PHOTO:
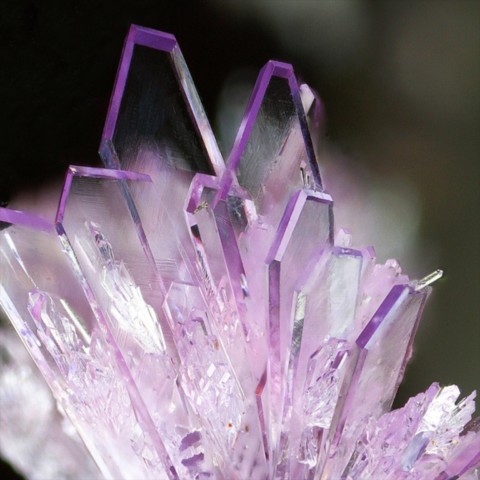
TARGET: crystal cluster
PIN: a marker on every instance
(201, 320)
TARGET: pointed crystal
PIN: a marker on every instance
(195, 321)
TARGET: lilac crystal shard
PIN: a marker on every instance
(65, 334)
(198, 321)
(155, 113)
(35, 437)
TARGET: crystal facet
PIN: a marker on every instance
(196, 320)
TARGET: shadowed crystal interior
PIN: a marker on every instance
(201, 320)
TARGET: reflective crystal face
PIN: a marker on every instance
(196, 319)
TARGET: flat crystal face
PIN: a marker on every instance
(153, 116)
(263, 156)
(196, 320)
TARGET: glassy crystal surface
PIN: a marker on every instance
(201, 319)
(35, 437)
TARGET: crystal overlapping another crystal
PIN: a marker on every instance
(199, 319)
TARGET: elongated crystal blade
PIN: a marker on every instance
(75, 354)
(130, 292)
(325, 326)
(155, 110)
(384, 347)
(304, 231)
(273, 143)
(156, 125)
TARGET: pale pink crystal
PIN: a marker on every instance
(195, 320)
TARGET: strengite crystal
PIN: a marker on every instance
(201, 319)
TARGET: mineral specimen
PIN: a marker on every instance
(201, 320)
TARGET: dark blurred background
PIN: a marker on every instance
(400, 81)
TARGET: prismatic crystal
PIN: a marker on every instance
(196, 319)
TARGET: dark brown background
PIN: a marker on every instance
(401, 85)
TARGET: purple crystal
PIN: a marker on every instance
(195, 320)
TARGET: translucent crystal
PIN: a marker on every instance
(196, 319)
(35, 436)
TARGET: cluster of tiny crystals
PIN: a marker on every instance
(199, 319)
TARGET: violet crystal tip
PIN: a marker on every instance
(201, 321)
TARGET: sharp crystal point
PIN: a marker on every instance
(429, 279)
(201, 320)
